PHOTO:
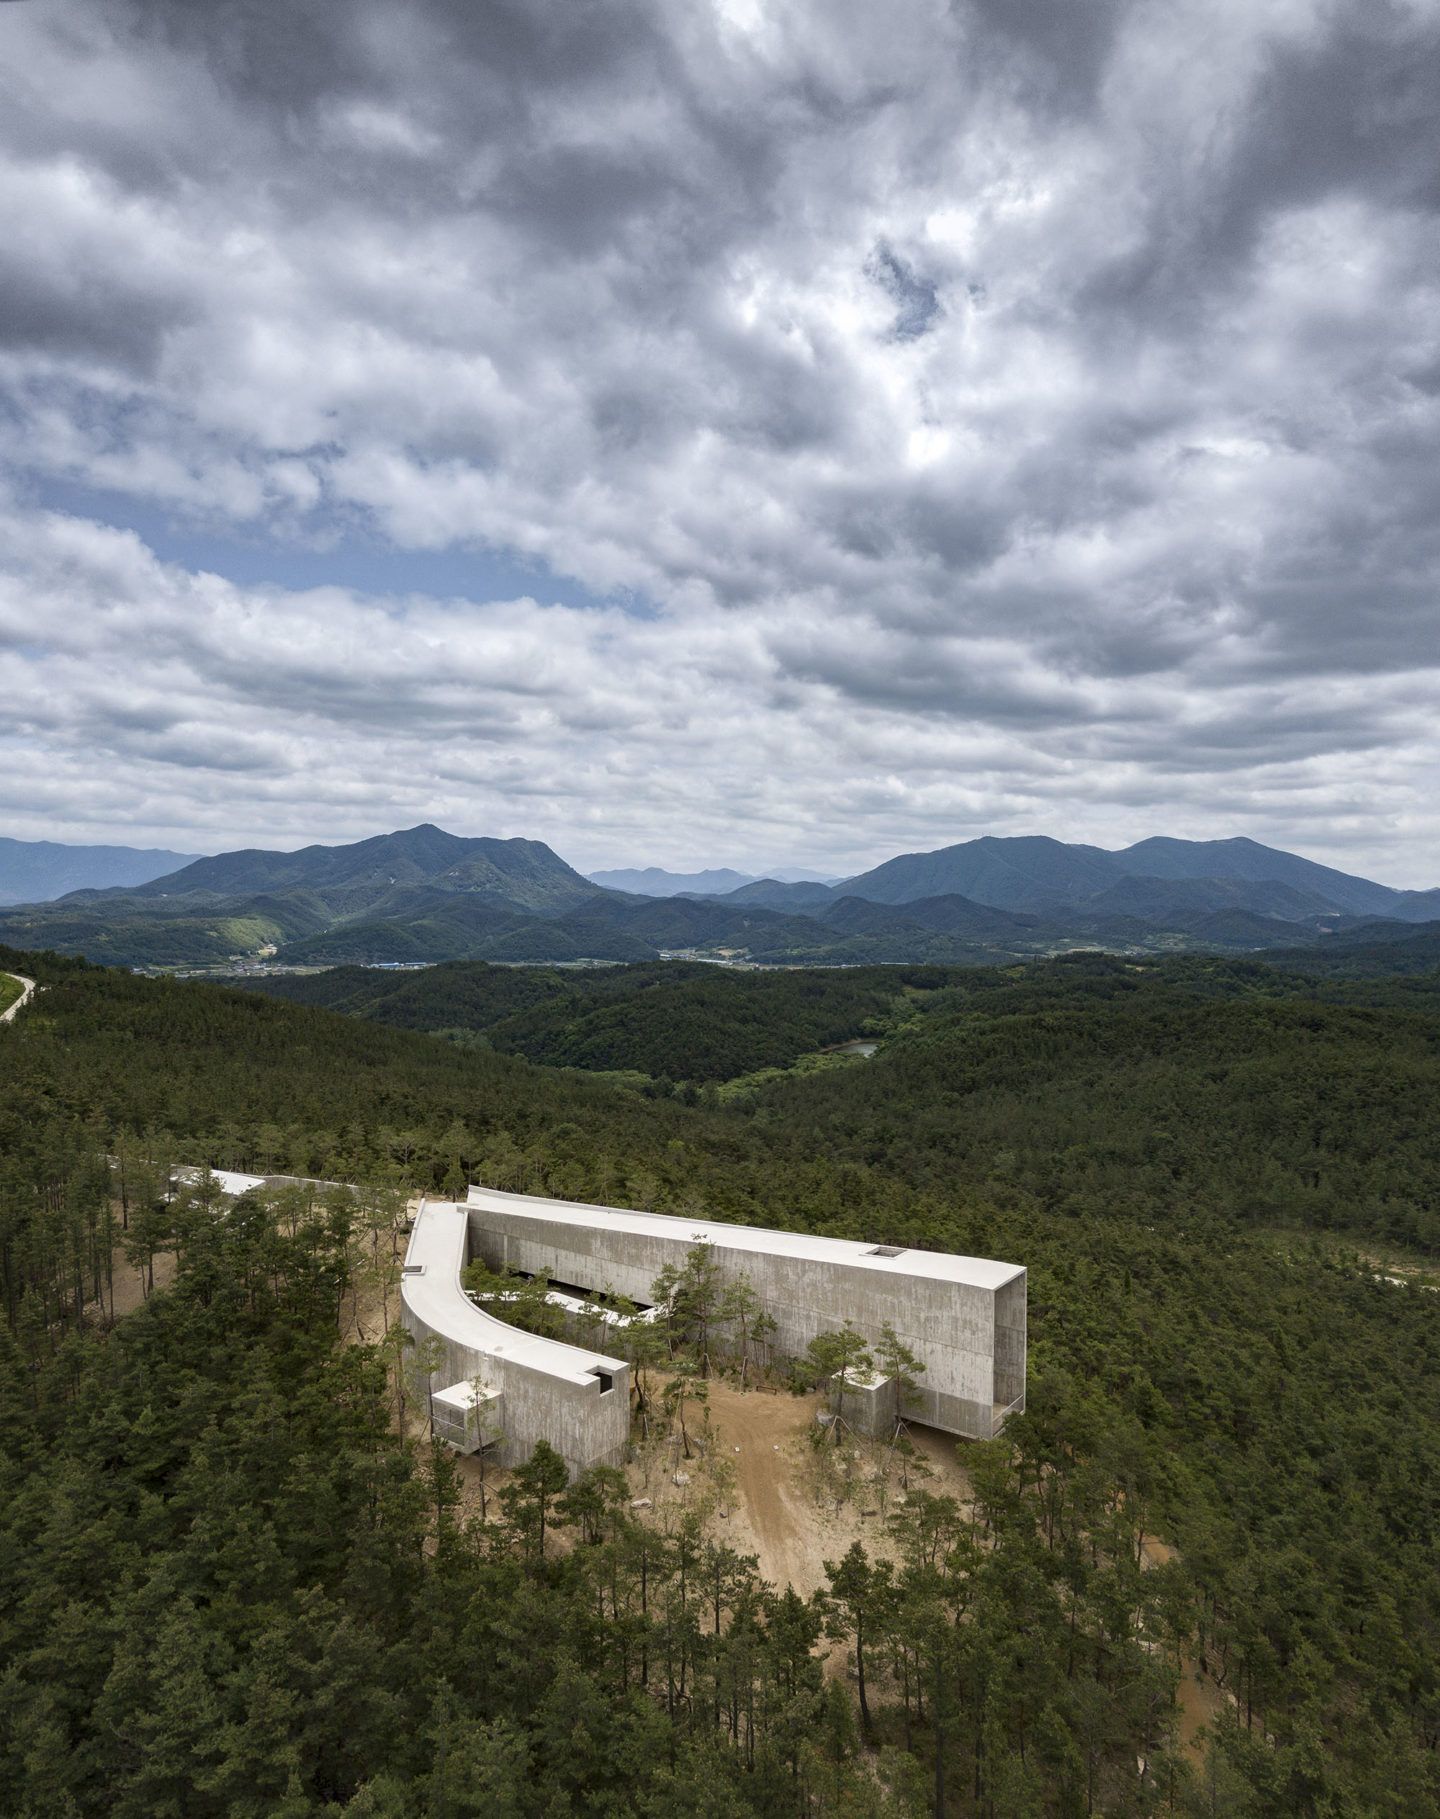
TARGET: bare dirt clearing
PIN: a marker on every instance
(126, 1290)
(761, 1473)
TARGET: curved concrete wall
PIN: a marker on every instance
(548, 1391)
(963, 1317)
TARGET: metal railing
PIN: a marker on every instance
(998, 1418)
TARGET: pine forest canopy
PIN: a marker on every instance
(215, 1593)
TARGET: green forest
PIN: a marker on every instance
(229, 1588)
(678, 1021)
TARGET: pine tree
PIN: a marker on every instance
(529, 1498)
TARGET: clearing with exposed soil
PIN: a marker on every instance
(770, 1508)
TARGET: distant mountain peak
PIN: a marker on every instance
(409, 873)
(39, 871)
(1026, 872)
(1035, 872)
(1240, 857)
(655, 881)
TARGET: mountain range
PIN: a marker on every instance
(423, 895)
(1037, 875)
(38, 871)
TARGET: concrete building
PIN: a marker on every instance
(962, 1317)
(467, 1415)
(495, 1380)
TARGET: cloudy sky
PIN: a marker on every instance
(768, 433)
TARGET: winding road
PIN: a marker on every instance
(27, 989)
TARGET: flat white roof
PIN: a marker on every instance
(430, 1288)
(465, 1396)
(934, 1266)
(226, 1179)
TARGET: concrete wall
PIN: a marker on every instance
(1010, 1305)
(951, 1327)
(586, 1424)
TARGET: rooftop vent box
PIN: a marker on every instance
(413, 1269)
(887, 1250)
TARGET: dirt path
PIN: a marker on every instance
(762, 1435)
(27, 988)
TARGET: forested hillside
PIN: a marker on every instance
(1190, 1091)
(669, 1021)
(1200, 1086)
(226, 1589)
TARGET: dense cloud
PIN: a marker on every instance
(922, 420)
